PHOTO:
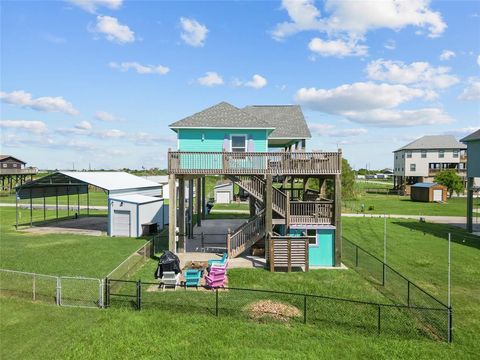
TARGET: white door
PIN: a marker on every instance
(437, 195)
(223, 197)
(121, 223)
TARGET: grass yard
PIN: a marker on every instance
(402, 205)
(60, 254)
(419, 251)
(96, 198)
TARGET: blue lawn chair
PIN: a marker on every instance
(220, 262)
(192, 277)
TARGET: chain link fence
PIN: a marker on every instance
(401, 290)
(58, 290)
(266, 306)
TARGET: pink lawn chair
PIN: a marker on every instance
(216, 278)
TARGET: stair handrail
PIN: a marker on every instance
(237, 238)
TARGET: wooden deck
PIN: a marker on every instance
(254, 163)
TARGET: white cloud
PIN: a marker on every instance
(211, 78)
(419, 73)
(193, 33)
(83, 125)
(33, 126)
(257, 82)
(46, 103)
(353, 19)
(400, 118)
(106, 116)
(113, 30)
(339, 48)
(357, 97)
(330, 130)
(92, 5)
(304, 16)
(370, 103)
(447, 55)
(390, 45)
(111, 133)
(139, 68)
(472, 91)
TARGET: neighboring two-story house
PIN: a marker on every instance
(473, 173)
(262, 150)
(422, 159)
(13, 171)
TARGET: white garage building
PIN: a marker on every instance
(135, 205)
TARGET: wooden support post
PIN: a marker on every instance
(268, 208)
(204, 210)
(306, 255)
(337, 213)
(292, 184)
(229, 250)
(269, 240)
(289, 255)
(470, 204)
(199, 201)
(172, 213)
(190, 209)
(181, 214)
(251, 203)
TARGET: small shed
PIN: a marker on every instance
(135, 215)
(428, 192)
(223, 193)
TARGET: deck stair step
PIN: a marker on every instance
(246, 235)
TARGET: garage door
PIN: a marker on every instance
(121, 223)
(437, 195)
(223, 197)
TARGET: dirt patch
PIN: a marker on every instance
(272, 309)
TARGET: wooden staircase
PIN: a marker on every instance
(246, 235)
(255, 186)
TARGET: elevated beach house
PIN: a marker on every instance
(262, 149)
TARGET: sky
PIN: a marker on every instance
(95, 84)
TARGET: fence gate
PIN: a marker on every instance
(81, 292)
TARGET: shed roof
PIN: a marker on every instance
(425, 185)
(222, 115)
(288, 120)
(473, 136)
(434, 142)
(5, 157)
(110, 180)
(136, 198)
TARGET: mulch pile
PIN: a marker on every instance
(272, 309)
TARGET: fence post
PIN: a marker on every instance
(378, 320)
(101, 293)
(107, 292)
(33, 287)
(216, 302)
(450, 327)
(383, 274)
(304, 309)
(356, 256)
(408, 293)
(59, 291)
(139, 295)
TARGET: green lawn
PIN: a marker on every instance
(96, 198)
(60, 254)
(416, 249)
(402, 205)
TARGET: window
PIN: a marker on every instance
(4, 165)
(413, 167)
(455, 153)
(313, 239)
(441, 153)
(409, 155)
(14, 165)
(239, 143)
(424, 154)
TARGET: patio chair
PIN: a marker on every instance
(221, 261)
(170, 279)
(216, 278)
(192, 277)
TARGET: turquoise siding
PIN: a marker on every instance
(212, 139)
(321, 253)
(473, 160)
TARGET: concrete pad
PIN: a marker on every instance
(212, 235)
(84, 225)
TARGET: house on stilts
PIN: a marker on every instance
(294, 195)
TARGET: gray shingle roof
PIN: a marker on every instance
(434, 142)
(473, 136)
(222, 115)
(287, 120)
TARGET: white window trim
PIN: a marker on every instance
(246, 141)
